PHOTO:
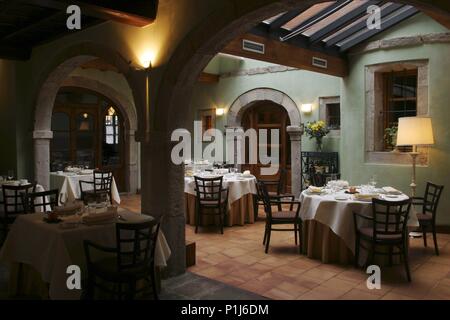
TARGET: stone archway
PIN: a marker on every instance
(190, 57)
(62, 65)
(128, 110)
(246, 100)
(295, 130)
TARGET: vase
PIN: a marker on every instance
(318, 144)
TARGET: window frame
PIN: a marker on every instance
(374, 141)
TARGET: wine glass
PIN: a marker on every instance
(373, 181)
(10, 175)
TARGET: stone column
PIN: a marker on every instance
(132, 161)
(295, 135)
(42, 157)
(163, 195)
(233, 142)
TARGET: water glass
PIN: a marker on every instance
(373, 181)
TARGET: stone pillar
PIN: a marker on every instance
(295, 134)
(163, 195)
(132, 162)
(233, 142)
(42, 157)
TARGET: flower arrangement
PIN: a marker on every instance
(317, 130)
(390, 136)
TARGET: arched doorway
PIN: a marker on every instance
(88, 130)
(56, 76)
(266, 115)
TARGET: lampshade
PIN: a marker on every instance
(416, 131)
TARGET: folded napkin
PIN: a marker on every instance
(102, 215)
(315, 189)
(365, 196)
(390, 190)
(70, 208)
(247, 173)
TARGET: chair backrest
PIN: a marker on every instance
(431, 198)
(136, 243)
(263, 194)
(282, 181)
(102, 180)
(13, 197)
(44, 200)
(209, 189)
(390, 218)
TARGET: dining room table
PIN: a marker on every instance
(23, 182)
(328, 231)
(68, 184)
(241, 190)
(39, 253)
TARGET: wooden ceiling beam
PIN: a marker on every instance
(209, 78)
(14, 53)
(283, 53)
(32, 26)
(139, 13)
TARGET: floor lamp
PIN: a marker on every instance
(414, 131)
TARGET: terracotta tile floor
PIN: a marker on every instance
(237, 258)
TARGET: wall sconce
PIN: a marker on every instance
(147, 59)
(306, 108)
(220, 111)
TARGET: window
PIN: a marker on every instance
(330, 113)
(400, 100)
(393, 90)
(111, 127)
(60, 144)
(333, 112)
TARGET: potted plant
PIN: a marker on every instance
(317, 130)
(390, 137)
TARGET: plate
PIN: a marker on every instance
(392, 196)
(341, 198)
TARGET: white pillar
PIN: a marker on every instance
(295, 135)
(42, 157)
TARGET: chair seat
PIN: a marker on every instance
(284, 215)
(107, 268)
(368, 233)
(424, 217)
(211, 202)
(93, 192)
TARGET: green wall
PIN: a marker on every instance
(353, 164)
(301, 86)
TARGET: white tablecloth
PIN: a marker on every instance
(39, 188)
(49, 249)
(338, 215)
(69, 185)
(237, 187)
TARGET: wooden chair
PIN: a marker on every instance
(211, 200)
(132, 260)
(427, 218)
(280, 186)
(101, 187)
(43, 200)
(280, 217)
(13, 204)
(320, 179)
(389, 229)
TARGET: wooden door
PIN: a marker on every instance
(90, 134)
(269, 116)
